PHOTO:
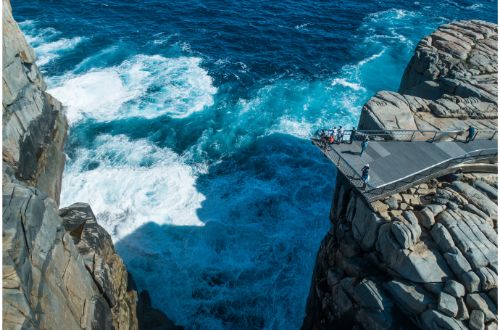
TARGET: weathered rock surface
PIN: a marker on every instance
(34, 127)
(59, 272)
(449, 84)
(427, 256)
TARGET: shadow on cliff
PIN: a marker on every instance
(249, 265)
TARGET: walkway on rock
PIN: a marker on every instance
(401, 159)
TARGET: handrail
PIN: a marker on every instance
(427, 173)
(412, 135)
(372, 193)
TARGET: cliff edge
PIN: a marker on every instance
(60, 269)
(426, 257)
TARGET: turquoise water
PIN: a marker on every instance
(189, 125)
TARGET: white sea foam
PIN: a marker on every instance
(345, 83)
(130, 183)
(143, 86)
(45, 42)
(49, 51)
(301, 26)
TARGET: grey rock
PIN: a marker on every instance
(392, 203)
(365, 225)
(333, 277)
(369, 295)
(476, 320)
(485, 188)
(436, 208)
(470, 281)
(477, 198)
(454, 288)
(492, 326)
(488, 278)
(442, 237)
(463, 313)
(420, 265)
(434, 320)
(410, 298)
(482, 302)
(457, 262)
(447, 304)
(493, 294)
(426, 217)
(434, 288)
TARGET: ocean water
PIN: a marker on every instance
(189, 124)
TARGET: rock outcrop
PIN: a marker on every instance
(426, 257)
(60, 270)
(449, 84)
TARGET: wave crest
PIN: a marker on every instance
(145, 86)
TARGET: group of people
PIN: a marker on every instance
(336, 135)
(331, 136)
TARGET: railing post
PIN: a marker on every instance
(412, 136)
(434, 137)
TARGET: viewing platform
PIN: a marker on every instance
(400, 159)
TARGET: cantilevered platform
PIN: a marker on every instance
(398, 165)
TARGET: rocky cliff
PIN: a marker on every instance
(60, 270)
(449, 84)
(424, 258)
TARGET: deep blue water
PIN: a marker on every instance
(188, 133)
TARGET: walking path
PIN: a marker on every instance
(398, 165)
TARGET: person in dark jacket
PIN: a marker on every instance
(365, 174)
(472, 132)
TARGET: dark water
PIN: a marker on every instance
(189, 125)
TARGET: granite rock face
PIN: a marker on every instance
(425, 257)
(449, 84)
(60, 270)
(381, 267)
(34, 127)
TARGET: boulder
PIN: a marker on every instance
(476, 320)
(434, 320)
(447, 305)
(410, 298)
(482, 302)
(454, 288)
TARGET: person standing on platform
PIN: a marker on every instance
(472, 132)
(365, 175)
(364, 146)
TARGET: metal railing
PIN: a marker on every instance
(372, 193)
(340, 163)
(412, 135)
